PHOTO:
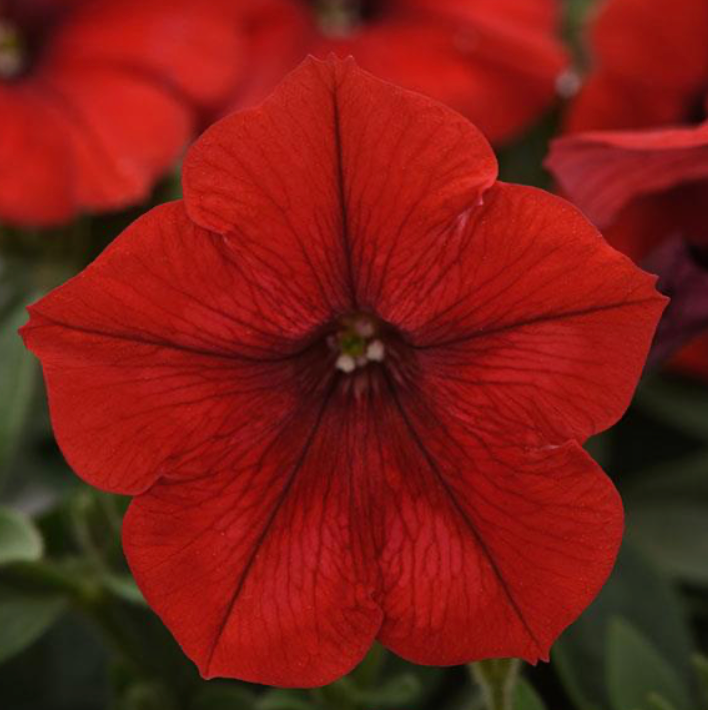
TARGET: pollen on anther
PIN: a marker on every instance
(375, 351)
(346, 363)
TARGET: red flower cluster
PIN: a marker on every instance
(637, 159)
(99, 97)
(348, 386)
(496, 61)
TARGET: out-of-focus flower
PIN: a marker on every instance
(496, 61)
(649, 63)
(648, 191)
(639, 187)
(99, 97)
(637, 159)
(348, 385)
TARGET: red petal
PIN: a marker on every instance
(158, 352)
(651, 63)
(660, 44)
(194, 46)
(257, 566)
(543, 325)
(343, 165)
(36, 176)
(602, 172)
(496, 62)
(500, 76)
(608, 103)
(124, 132)
(490, 549)
(280, 34)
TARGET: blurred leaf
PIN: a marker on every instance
(147, 696)
(526, 697)
(638, 678)
(657, 702)
(401, 690)
(497, 679)
(20, 540)
(641, 595)
(700, 663)
(17, 374)
(283, 700)
(600, 448)
(522, 161)
(684, 479)
(24, 618)
(675, 535)
(224, 697)
(677, 403)
(124, 587)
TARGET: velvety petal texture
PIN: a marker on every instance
(108, 100)
(293, 503)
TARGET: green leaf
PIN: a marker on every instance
(283, 700)
(639, 593)
(677, 403)
(401, 690)
(700, 663)
(17, 376)
(638, 677)
(148, 696)
(24, 618)
(221, 696)
(674, 534)
(656, 702)
(20, 540)
(526, 697)
(124, 587)
(497, 678)
(683, 479)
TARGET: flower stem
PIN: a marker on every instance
(497, 678)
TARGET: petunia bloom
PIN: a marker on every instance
(647, 190)
(496, 61)
(637, 157)
(99, 97)
(639, 187)
(347, 380)
(649, 66)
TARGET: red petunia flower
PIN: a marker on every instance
(641, 185)
(496, 61)
(647, 191)
(99, 97)
(347, 380)
(650, 66)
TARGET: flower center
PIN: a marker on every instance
(12, 51)
(341, 18)
(357, 343)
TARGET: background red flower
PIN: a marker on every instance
(98, 99)
(288, 511)
(641, 185)
(496, 61)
